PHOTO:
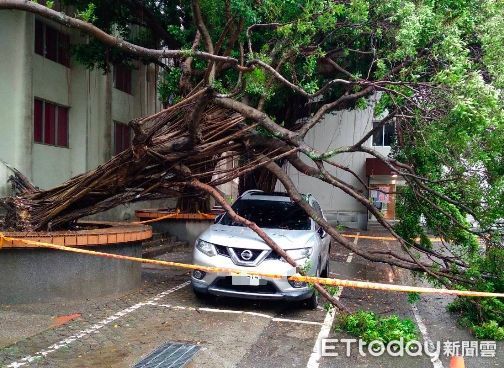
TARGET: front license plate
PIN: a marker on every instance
(246, 280)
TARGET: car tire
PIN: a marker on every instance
(325, 272)
(313, 301)
(201, 295)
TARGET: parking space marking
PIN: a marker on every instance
(316, 354)
(233, 311)
(423, 330)
(93, 329)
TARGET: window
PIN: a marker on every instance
(122, 137)
(50, 123)
(52, 44)
(122, 78)
(384, 136)
(270, 214)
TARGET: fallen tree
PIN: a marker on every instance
(252, 79)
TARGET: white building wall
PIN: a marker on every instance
(340, 129)
(15, 94)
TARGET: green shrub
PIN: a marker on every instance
(489, 330)
(484, 318)
(368, 326)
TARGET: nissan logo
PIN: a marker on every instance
(246, 255)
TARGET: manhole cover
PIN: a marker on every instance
(169, 355)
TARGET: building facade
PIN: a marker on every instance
(57, 118)
(343, 129)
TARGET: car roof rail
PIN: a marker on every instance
(250, 191)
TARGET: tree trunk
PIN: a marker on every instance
(193, 201)
(260, 178)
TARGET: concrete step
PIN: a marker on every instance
(156, 251)
(159, 240)
(162, 243)
(156, 236)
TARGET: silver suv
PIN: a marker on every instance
(231, 245)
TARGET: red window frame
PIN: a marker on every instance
(50, 123)
(52, 44)
(122, 137)
(122, 78)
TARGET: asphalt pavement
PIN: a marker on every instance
(121, 330)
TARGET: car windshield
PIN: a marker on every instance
(270, 214)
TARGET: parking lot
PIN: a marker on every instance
(120, 331)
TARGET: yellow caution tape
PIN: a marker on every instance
(381, 237)
(209, 216)
(308, 279)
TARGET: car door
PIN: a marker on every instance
(325, 239)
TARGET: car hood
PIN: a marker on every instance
(243, 237)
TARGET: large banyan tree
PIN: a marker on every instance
(250, 78)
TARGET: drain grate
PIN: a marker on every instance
(169, 355)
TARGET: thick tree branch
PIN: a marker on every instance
(377, 127)
(397, 260)
(324, 109)
(207, 39)
(256, 115)
(185, 78)
(194, 121)
(106, 38)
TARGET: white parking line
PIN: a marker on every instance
(232, 311)
(315, 356)
(423, 330)
(93, 329)
(419, 321)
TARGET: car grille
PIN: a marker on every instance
(255, 254)
(222, 251)
(273, 255)
(266, 287)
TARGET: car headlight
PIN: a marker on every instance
(206, 247)
(300, 253)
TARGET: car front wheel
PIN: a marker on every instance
(325, 272)
(201, 295)
(313, 301)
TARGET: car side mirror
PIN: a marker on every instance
(322, 232)
(218, 218)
